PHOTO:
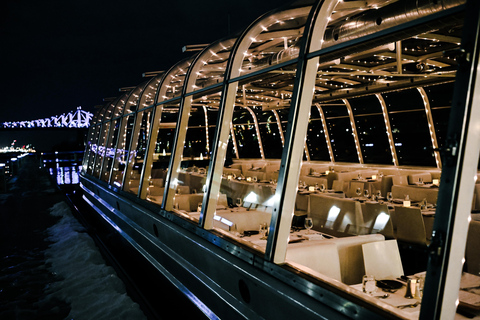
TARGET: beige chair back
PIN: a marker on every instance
(472, 256)
(410, 225)
(401, 180)
(382, 259)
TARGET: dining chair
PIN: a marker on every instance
(410, 225)
(382, 259)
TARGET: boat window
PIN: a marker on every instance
(123, 143)
(316, 139)
(172, 85)
(270, 133)
(273, 40)
(340, 130)
(92, 147)
(371, 129)
(131, 100)
(104, 131)
(110, 150)
(147, 97)
(410, 128)
(440, 98)
(137, 151)
(210, 68)
(245, 133)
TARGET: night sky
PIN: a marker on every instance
(58, 55)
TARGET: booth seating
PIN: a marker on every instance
(232, 171)
(416, 193)
(351, 256)
(472, 257)
(349, 268)
(410, 225)
(242, 220)
(157, 182)
(188, 202)
(338, 214)
(133, 185)
(155, 194)
(400, 180)
(420, 177)
(313, 256)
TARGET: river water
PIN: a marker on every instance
(50, 268)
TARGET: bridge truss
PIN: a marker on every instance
(74, 119)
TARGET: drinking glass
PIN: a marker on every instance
(389, 196)
(368, 284)
(379, 194)
(239, 202)
(358, 192)
(308, 224)
(366, 194)
(322, 187)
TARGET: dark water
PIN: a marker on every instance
(49, 266)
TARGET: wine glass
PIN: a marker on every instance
(389, 196)
(379, 194)
(358, 192)
(239, 202)
(366, 194)
(322, 187)
(308, 224)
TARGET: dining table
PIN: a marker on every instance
(469, 297)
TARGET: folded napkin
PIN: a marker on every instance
(315, 236)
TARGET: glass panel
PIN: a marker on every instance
(245, 134)
(92, 147)
(133, 98)
(410, 128)
(211, 65)
(271, 138)
(101, 149)
(122, 150)
(316, 139)
(248, 183)
(440, 98)
(162, 152)
(275, 39)
(148, 95)
(110, 151)
(137, 151)
(340, 131)
(371, 129)
(172, 85)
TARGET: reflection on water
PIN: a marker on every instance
(64, 166)
(66, 175)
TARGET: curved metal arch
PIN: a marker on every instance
(431, 125)
(325, 132)
(386, 119)
(355, 132)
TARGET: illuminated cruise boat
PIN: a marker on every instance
(271, 171)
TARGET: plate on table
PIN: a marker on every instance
(389, 284)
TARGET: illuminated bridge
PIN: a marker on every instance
(74, 119)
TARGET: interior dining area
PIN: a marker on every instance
(323, 146)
